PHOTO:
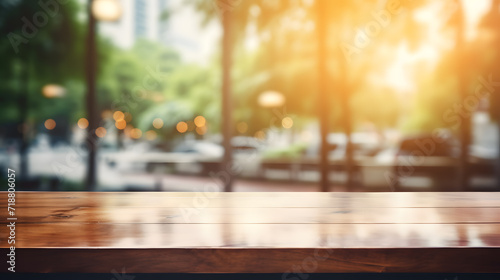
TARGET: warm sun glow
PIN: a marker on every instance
(317, 92)
(270, 99)
(106, 10)
(401, 71)
(474, 10)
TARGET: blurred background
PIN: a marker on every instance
(263, 95)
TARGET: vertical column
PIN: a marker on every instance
(226, 99)
(90, 72)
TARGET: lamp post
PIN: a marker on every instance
(53, 91)
(271, 99)
(106, 10)
(274, 100)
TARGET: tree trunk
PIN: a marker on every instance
(23, 102)
(323, 96)
(345, 97)
(495, 13)
(465, 130)
(227, 107)
(91, 176)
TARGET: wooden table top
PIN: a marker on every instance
(254, 232)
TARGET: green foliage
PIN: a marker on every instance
(150, 81)
(292, 152)
(37, 53)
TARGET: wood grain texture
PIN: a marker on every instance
(286, 215)
(256, 199)
(123, 236)
(255, 232)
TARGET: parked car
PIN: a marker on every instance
(364, 145)
(201, 148)
(245, 144)
(426, 160)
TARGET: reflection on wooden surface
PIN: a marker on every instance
(256, 232)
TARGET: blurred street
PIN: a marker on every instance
(139, 171)
(171, 95)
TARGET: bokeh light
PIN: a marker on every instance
(83, 123)
(106, 10)
(121, 124)
(135, 133)
(400, 80)
(100, 132)
(53, 91)
(50, 124)
(182, 127)
(118, 115)
(287, 122)
(200, 121)
(157, 123)
(270, 99)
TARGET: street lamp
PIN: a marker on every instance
(274, 100)
(53, 91)
(271, 99)
(105, 10)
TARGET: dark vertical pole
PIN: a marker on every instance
(493, 24)
(23, 113)
(345, 98)
(463, 174)
(323, 100)
(23, 104)
(226, 100)
(495, 16)
(90, 72)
